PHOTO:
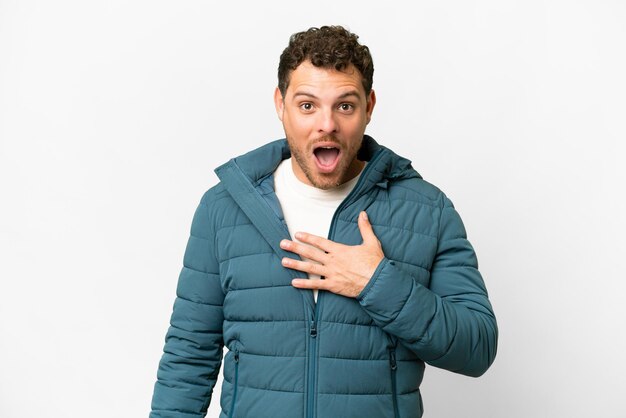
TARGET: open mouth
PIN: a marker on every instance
(326, 157)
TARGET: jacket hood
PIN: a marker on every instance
(262, 162)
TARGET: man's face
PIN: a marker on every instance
(324, 114)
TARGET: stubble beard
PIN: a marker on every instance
(321, 180)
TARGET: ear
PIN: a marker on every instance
(371, 102)
(279, 102)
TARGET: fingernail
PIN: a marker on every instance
(283, 244)
(364, 215)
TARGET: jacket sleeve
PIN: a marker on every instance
(450, 324)
(192, 354)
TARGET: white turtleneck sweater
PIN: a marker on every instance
(307, 208)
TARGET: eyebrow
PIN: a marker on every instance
(350, 93)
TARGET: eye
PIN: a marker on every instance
(306, 106)
(346, 107)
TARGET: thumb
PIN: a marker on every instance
(366, 229)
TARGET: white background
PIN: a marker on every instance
(113, 115)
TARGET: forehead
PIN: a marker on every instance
(307, 77)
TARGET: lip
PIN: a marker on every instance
(326, 169)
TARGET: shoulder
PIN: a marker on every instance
(418, 190)
(219, 208)
(217, 200)
(216, 195)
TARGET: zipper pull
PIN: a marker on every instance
(236, 356)
(313, 329)
(392, 359)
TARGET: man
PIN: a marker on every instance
(399, 281)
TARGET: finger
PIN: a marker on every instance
(307, 267)
(303, 250)
(309, 284)
(367, 232)
(319, 242)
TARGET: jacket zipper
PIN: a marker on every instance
(235, 384)
(320, 295)
(394, 390)
(312, 362)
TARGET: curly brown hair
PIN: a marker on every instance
(326, 47)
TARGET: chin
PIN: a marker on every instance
(325, 182)
(327, 185)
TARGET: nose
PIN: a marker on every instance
(326, 123)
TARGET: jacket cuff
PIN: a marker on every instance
(386, 293)
(373, 279)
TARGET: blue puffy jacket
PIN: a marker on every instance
(342, 357)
